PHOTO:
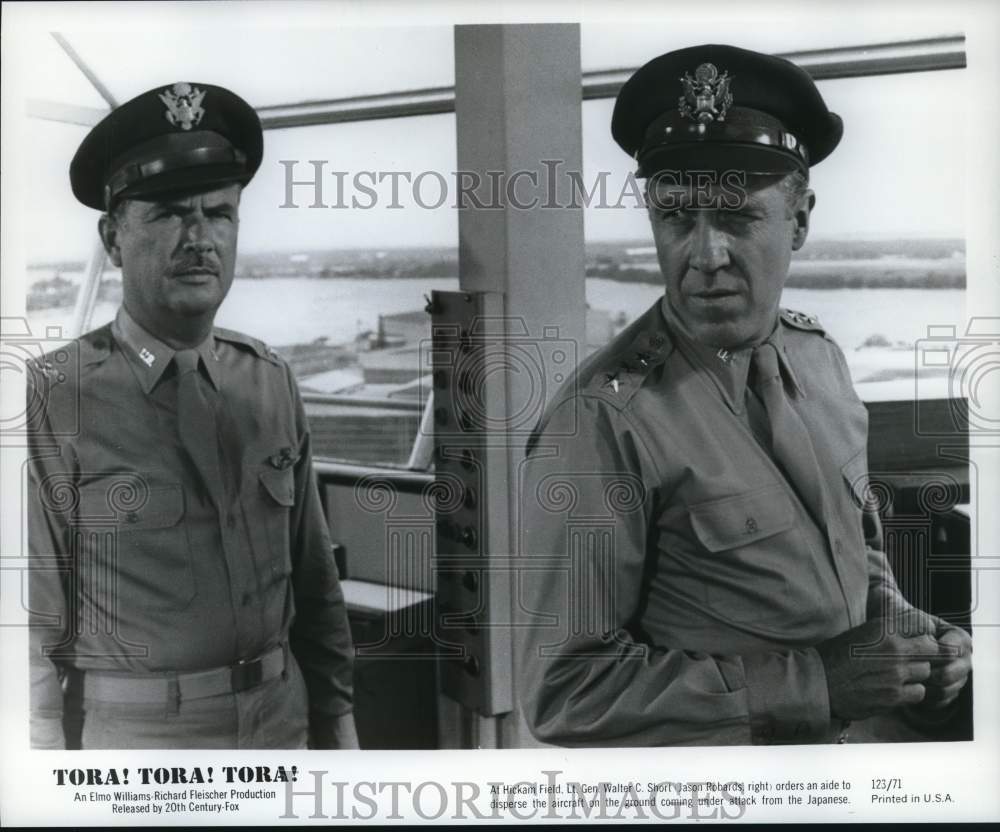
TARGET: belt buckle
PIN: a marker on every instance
(246, 674)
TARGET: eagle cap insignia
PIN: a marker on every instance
(184, 108)
(706, 96)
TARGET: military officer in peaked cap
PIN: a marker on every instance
(698, 555)
(183, 590)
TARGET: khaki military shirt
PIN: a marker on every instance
(137, 566)
(674, 583)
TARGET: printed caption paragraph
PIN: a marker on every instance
(292, 793)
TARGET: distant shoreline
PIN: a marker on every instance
(829, 282)
(851, 278)
(846, 263)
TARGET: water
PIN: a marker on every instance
(850, 316)
(283, 311)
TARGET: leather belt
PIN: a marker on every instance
(130, 687)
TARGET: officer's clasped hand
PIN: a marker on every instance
(911, 659)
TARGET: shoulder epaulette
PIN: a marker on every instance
(89, 349)
(261, 349)
(620, 374)
(99, 340)
(64, 365)
(800, 320)
(42, 369)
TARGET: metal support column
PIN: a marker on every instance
(518, 122)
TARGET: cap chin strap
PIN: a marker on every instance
(722, 132)
(135, 172)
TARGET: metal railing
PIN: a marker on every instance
(331, 471)
(945, 52)
(347, 400)
(921, 55)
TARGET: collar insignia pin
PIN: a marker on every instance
(147, 357)
(184, 108)
(612, 381)
(706, 96)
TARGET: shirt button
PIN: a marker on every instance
(230, 522)
(838, 547)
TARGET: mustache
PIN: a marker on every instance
(206, 265)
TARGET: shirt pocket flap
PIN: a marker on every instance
(157, 507)
(855, 472)
(730, 522)
(280, 484)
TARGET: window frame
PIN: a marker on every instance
(940, 53)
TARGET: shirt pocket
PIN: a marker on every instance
(277, 496)
(747, 554)
(142, 540)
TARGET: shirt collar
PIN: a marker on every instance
(729, 370)
(151, 356)
(788, 372)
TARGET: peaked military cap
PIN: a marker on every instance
(172, 138)
(718, 107)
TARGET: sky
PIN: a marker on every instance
(900, 168)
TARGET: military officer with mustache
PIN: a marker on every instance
(183, 589)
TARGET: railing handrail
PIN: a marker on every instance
(329, 469)
(917, 55)
(414, 405)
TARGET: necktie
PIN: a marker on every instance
(196, 423)
(790, 442)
